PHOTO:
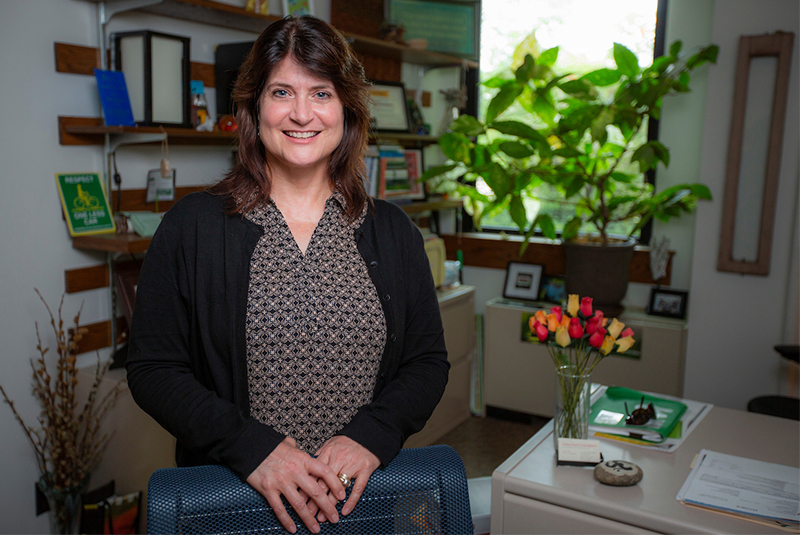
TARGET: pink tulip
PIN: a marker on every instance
(541, 331)
(557, 312)
(586, 307)
(572, 305)
(575, 328)
(596, 339)
(626, 333)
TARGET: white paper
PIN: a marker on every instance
(743, 486)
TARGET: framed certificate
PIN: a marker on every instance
(388, 107)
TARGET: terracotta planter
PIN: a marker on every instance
(600, 272)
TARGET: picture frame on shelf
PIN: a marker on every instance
(388, 107)
(447, 26)
(553, 289)
(668, 303)
(402, 183)
(298, 8)
(523, 281)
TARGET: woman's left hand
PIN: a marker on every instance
(346, 456)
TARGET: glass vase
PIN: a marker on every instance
(571, 419)
(65, 507)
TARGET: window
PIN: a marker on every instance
(584, 31)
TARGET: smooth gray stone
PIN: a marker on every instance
(618, 473)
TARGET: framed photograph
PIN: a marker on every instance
(298, 8)
(553, 289)
(523, 281)
(388, 107)
(448, 26)
(399, 172)
(669, 303)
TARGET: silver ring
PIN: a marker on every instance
(345, 479)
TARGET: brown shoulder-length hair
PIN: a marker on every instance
(322, 50)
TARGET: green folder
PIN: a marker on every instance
(609, 414)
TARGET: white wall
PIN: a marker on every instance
(36, 247)
(737, 319)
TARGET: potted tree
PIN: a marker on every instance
(581, 140)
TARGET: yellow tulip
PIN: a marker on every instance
(574, 305)
(615, 328)
(608, 345)
(562, 336)
(624, 344)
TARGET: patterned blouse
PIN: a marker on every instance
(315, 328)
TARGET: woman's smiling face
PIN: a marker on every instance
(301, 119)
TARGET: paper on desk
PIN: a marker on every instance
(695, 412)
(757, 489)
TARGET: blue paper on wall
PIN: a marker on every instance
(117, 109)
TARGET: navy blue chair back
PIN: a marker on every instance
(422, 491)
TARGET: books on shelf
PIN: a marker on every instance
(758, 491)
(612, 411)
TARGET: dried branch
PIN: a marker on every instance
(68, 444)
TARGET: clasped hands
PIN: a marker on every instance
(311, 485)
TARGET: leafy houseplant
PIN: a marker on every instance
(579, 138)
(69, 443)
(577, 340)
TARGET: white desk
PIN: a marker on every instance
(531, 495)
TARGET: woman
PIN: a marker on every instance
(286, 325)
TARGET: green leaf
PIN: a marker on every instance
(455, 146)
(544, 110)
(602, 77)
(436, 171)
(516, 149)
(627, 63)
(599, 124)
(548, 57)
(622, 177)
(524, 71)
(496, 82)
(675, 48)
(518, 129)
(700, 191)
(571, 228)
(498, 181)
(576, 87)
(646, 157)
(517, 211)
(545, 223)
(467, 125)
(502, 100)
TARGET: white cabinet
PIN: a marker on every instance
(520, 376)
(458, 317)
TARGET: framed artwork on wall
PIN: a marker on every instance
(668, 303)
(523, 281)
(298, 8)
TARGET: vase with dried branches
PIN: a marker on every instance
(69, 442)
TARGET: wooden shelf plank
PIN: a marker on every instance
(112, 243)
(431, 206)
(90, 130)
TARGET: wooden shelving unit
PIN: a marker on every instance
(133, 243)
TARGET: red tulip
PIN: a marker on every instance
(586, 307)
(557, 312)
(596, 340)
(593, 324)
(541, 331)
(627, 332)
(575, 328)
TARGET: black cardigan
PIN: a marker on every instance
(187, 355)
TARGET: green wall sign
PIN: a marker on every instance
(84, 202)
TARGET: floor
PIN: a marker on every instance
(485, 442)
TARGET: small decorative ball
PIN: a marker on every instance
(618, 473)
(227, 123)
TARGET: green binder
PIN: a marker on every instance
(609, 414)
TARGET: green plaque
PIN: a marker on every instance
(84, 202)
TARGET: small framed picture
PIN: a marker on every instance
(553, 289)
(298, 8)
(523, 281)
(388, 107)
(669, 303)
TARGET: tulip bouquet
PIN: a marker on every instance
(577, 341)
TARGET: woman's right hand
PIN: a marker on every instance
(293, 473)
